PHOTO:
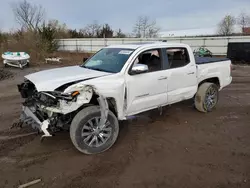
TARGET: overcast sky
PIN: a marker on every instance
(169, 14)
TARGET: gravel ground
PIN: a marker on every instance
(5, 74)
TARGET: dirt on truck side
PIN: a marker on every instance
(180, 148)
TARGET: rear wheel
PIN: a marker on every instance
(207, 97)
(88, 136)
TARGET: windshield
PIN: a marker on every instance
(108, 59)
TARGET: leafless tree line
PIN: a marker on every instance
(32, 17)
(28, 16)
(146, 28)
(226, 25)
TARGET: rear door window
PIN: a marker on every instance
(177, 57)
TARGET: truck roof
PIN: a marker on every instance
(147, 44)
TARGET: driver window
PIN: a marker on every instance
(151, 58)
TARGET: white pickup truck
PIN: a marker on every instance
(115, 83)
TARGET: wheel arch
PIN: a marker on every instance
(94, 101)
(214, 80)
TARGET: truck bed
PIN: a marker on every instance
(205, 60)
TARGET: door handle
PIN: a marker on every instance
(163, 78)
(190, 73)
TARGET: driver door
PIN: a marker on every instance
(147, 90)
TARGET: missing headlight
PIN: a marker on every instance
(55, 96)
(26, 89)
(47, 99)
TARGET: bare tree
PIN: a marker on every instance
(105, 32)
(226, 25)
(153, 30)
(138, 27)
(144, 27)
(60, 28)
(56, 24)
(28, 16)
(120, 34)
(92, 30)
(243, 20)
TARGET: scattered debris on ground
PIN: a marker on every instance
(5, 74)
(30, 183)
(53, 60)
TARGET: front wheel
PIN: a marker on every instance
(206, 97)
(88, 136)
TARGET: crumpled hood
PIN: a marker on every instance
(49, 80)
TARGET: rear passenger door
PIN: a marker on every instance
(182, 81)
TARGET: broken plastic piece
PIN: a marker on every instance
(160, 109)
(30, 183)
(44, 127)
(104, 110)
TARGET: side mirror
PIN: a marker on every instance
(84, 59)
(139, 68)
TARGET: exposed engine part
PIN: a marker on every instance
(49, 112)
(66, 106)
(27, 113)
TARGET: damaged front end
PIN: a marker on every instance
(52, 111)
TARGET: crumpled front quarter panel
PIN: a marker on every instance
(112, 86)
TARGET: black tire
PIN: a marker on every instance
(201, 97)
(77, 125)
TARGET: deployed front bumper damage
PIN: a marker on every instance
(30, 118)
(63, 108)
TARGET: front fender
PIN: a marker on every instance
(109, 89)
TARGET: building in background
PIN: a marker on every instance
(246, 31)
(210, 31)
(188, 32)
